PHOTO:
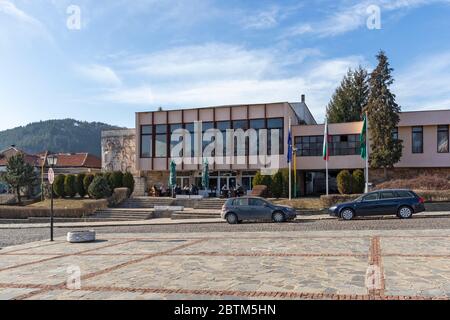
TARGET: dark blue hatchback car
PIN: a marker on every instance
(403, 203)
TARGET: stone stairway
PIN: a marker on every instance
(191, 213)
(122, 214)
(213, 204)
(145, 202)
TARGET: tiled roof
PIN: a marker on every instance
(65, 160)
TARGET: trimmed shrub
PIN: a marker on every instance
(58, 185)
(70, 188)
(358, 183)
(344, 182)
(99, 188)
(80, 185)
(108, 175)
(87, 182)
(128, 182)
(257, 180)
(276, 186)
(116, 180)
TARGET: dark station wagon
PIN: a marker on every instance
(400, 202)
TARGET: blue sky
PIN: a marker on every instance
(138, 55)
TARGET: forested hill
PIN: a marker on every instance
(67, 135)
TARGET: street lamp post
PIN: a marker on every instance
(51, 160)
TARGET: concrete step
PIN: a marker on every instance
(178, 216)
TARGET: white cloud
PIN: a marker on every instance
(351, 17)
(33, 25)
(425, 84)
(221, 74)
(262, 20)
(98, 73)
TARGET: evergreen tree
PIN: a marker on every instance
(19, 174)
(382, 112)
(350, 98)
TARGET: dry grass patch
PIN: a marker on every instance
(64, 203)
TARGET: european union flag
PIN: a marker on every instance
(289, 155)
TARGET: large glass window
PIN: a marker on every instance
(256, 124)
(417, 139)
(238, 148)
(442, 139)
(309, 146)
(343, 145)
(190, 127)
(340, 145)
(205, 127)
(174, 127)
(161, 140)
(146, 141)
(223, 126)
(275, 123)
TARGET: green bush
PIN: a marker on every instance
(257, 180)
(344, 182)
(128, 182)
(276, 186)
(58, 185)
(70, 188)
(99, 188)
(116, 180)
(80, 185)
(108, 176)
(87, 182)
(359, 181)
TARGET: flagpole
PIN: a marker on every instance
(327, 154)
(367, 155)
(290, 166)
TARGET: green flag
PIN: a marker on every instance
(362, 138)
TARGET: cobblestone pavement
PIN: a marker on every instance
(377, 264)
(13, 236)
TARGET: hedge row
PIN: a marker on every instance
(350, 183)
(98, 186)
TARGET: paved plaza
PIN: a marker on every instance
(385, 264)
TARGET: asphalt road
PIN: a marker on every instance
(10, 237)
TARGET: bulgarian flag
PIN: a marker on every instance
(326, 136)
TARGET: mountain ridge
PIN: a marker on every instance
(57, 135)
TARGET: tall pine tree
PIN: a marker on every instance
(382, 111)
(350, 98)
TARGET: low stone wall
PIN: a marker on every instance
(15, 212)
(8, 198)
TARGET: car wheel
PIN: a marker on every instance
(278, 217)
(347, 214)
(231, 218)
(405, 212)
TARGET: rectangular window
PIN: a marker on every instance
(417, 139)
(174, 127)
(223, 126)
(239, 149)
(190, 127)
(340, 145)
(146, 141)
(257, 124)
(395, 133)
(161, 141)
(309, 146)
(275, 123)
(205, 127)
(442, 139)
